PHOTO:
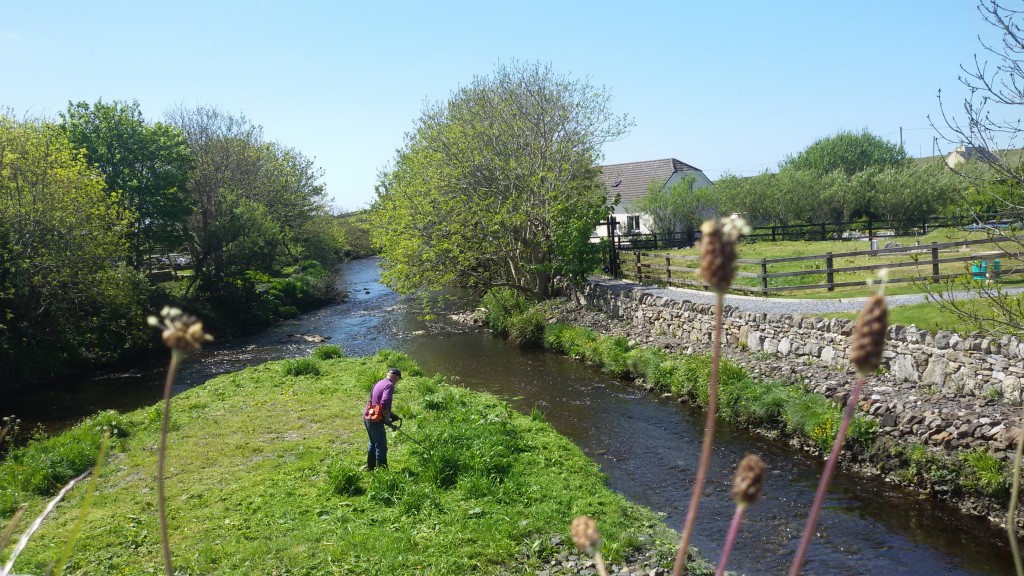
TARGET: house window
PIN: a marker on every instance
(632, 224)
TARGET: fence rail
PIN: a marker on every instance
(851, 230)
(930, 262)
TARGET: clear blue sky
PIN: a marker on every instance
(724, 86)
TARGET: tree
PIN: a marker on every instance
(145, 166)
(65, 301)
(990, 121)
(498, 186)
(677, 208)
(848, 153)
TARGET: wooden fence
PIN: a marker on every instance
(931, 262)
(852, 230)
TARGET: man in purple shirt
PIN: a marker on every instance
(377, 453)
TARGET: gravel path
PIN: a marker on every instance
(781, 305)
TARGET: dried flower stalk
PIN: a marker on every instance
(746, 489)
(181, 333)
(865, 353)
(717, 269)
(587, 538)
(1011, 515)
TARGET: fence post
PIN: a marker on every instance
(613, 254)
(764, 276)
(830, 275)
(773, 233)
(871, 230)
(639, 273)
(823, 232)
(935, 262)
(924, 225)
(668, 269)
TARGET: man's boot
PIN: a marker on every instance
(382, 464)
(371, 461)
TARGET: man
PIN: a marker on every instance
(377, 453)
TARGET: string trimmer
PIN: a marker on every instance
(396, 425)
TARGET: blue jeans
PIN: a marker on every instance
(377, 452)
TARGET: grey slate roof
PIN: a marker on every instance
(630, 180)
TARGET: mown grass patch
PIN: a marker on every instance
(263, 478)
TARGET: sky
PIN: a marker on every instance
(729, 86)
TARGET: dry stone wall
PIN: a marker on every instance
(943, 362)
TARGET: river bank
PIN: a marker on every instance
(263, 478)
(926, 433)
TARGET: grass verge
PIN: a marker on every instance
(263, 478)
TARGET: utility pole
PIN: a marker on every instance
(901, 137)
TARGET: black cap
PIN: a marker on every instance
(395, 371)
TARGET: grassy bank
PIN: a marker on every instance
(263, 478)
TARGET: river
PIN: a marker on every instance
(647, 446)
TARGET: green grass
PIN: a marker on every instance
(931, 316)
(263, 478)
(787, 249)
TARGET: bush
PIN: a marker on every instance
(985, 473)
(526, 329)
(646, 363)
(300, 367)
(327, 352)
(503, 304)
(46, 464)
(344, 479)
(613, 351)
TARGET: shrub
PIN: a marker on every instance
(503, 304)
(300, 367)
(576, 341)
(109, 420)
(327, 352)
(767, 404)
(45, 464)
(613, 351)
(553, 336)
(862, 433)
(344, 479)
(526, 329)
(536, 415)
(985, 473)
(811, 415)
(646, 363)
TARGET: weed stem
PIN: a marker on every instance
(826, 477)
(708, 444)
(730, 537)
(172, 371)
(1011, 515)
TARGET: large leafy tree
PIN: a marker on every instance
(498, 186)
(849, 153)
(676, 208)
(257, 205)
(64, 299)
(145, 167)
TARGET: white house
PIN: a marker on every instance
(630, 181)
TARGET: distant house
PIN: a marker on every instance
(967, 153)
(630, 182)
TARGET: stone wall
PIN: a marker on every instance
(944, 362)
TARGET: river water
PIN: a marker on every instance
(647, 446)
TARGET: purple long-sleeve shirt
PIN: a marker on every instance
(381, 394)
